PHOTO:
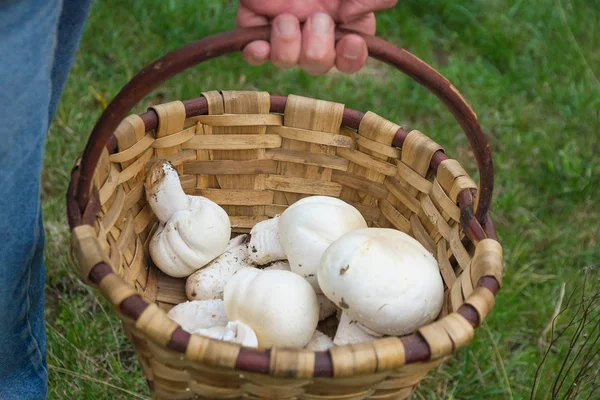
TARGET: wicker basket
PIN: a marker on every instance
(255, 154)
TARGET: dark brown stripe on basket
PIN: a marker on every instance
(73, 212)
(415, 348)
(253, 360)
(179, 340)
(197, 106)
(399, 137)
(111, 144)
(133, 306)
(278, 104)
(352, 118)
(323, 365)
(490, 230)
(470, 314)
(471, 226)
(489, 282)
(437, 159)
(98, 272)
(92, 209)
(468, 311)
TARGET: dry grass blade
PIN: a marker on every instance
(90, 379)
(542, 341)
(579, 335)
(500, 360)
(52, 330)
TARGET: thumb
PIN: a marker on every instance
(353, 9)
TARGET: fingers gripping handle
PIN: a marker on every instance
(213, 46)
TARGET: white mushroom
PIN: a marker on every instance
(309, 226)
(209, 282)
(193, 230)
(280, 306)
(349, 332)
(319, 342)
(234, 331)
(195, 315)
(265, 246)
(384, 279)
(326, 306)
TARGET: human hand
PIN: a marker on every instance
(313, 48)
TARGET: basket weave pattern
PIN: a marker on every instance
(255, 163)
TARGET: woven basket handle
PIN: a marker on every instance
(213, 46)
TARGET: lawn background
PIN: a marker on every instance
(529, 69)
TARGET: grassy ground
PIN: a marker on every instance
(529, 68)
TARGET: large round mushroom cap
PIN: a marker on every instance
(382, 278)
(280, 306)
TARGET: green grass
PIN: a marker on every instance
(530, 70)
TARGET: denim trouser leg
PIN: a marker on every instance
(33, 68)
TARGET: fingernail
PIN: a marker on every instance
(321, 23)
(351, 52)
(286, 26)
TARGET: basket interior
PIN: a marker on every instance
(255, 163)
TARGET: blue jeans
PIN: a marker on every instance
(38, 39)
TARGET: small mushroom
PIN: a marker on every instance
(280, 306)
(265, 246)
(193, 230)
(349, 332)
(326, 306)
(384, 279)
(319, 342)
(309, 226)
(234, 331)
(199, 314)
(209, 282)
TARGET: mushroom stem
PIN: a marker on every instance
(164, 192)
(209, 281)
(349, 332)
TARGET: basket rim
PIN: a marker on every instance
(415, 347)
